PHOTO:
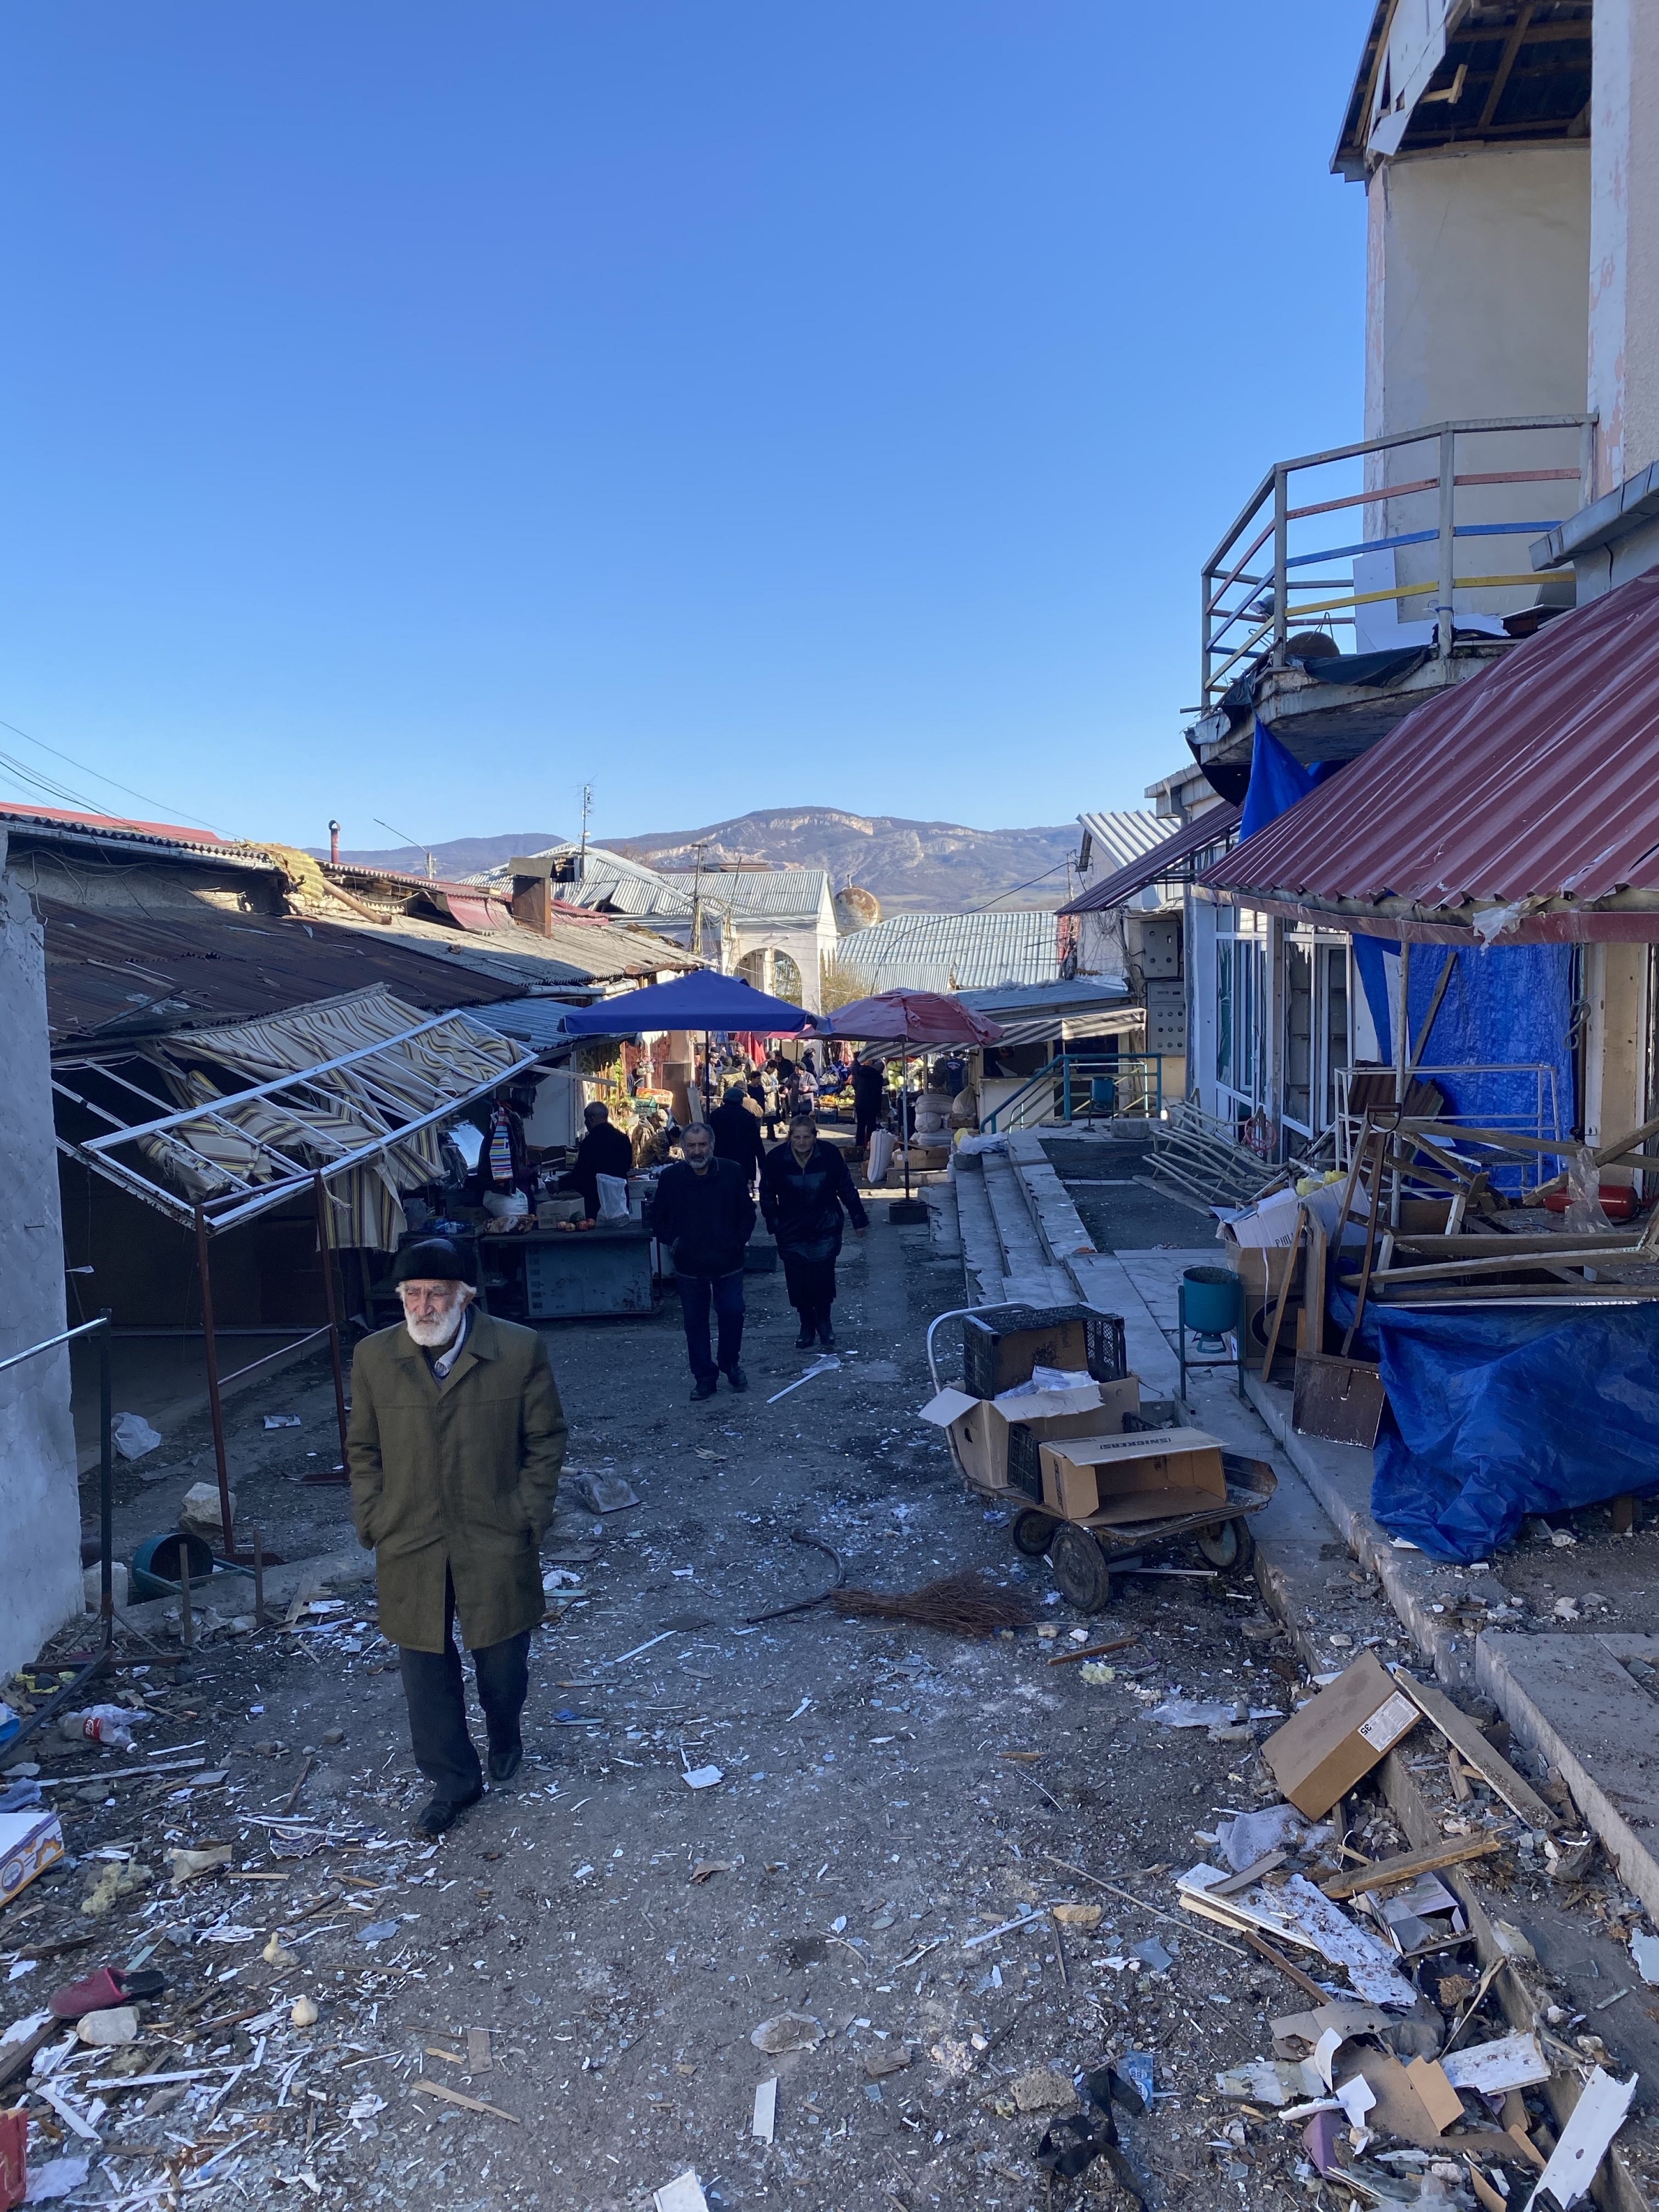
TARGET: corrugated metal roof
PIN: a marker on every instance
(643, 894)
(1115, 840)
(1535, 782)
(113, 974)
(572, 956)
(538, 1022)
(1159, 863)
(953, 951)
(63, 824)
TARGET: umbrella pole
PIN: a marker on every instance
(907, 1120)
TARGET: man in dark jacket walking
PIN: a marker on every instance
(737, 1133)
(704, 1214)
(456, 1442)
(805, 1188)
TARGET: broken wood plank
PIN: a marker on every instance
(1490, 1766)
(15, 2058)
(1092, 1651)
(430, 2088)
(1236, 1882)
(1388, 1874)
(1306, 1982)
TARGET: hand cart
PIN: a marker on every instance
(1084, 1554)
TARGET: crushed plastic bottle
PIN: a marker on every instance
(108, 1725)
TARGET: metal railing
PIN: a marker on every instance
(1246, 602)
(1085, 1087)
(100, 1658)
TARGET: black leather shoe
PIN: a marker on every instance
(504, 1764)
(703, 1390)
(737, 1379)
(826, 1336)
(807, 1337)
(443, 1813)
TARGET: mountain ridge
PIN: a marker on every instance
(912, 866)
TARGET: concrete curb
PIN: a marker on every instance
(1570, 1701)
(1339, 1477)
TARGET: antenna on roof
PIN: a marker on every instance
(582, 855)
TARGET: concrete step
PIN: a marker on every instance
(1029, 1275)
(981, 1253)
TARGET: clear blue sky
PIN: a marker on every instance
(412, 411)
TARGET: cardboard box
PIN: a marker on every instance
(30, 1843)
(1164, 1471)
(1339, 1736)
(979, 1427)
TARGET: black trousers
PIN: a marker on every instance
(725, 1294)
(810, 1284)
(435, 1689)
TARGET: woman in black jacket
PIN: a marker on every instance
(804, 1189)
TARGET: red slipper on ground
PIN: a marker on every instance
(98, 1992)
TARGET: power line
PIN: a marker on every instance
(79, 798)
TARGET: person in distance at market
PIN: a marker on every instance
(805, 1190)
(704, 1214)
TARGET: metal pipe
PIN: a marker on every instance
(1281, 563)
(216, 1407)
(51, 1343)
(106, 1482)
(1401, 1076)
(186, 1616)
(325, 1245)
(1447, 546)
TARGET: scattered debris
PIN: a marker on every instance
(787, 2030)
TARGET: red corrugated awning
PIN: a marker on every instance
(1163, 862)
(473, 910)
(1534, 785)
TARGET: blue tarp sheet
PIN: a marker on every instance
(1494, 1415)
(1507, 1007)
(1278, 780)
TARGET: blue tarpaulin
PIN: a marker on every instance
(1494, 1415)
(1507, 1007)
(1278, 780)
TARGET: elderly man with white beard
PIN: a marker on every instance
(454, 1450)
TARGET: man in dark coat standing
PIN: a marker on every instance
(454, 1450)
(604, 1149)
(804, 1189)
(737, 1132)
(704, 1214)
(869, 1099)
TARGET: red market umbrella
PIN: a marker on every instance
(921, 1018)
(917, 1018)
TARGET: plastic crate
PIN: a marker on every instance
(1026, 1460)
(1002, 1344)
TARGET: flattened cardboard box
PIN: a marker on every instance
(979, 1426)
(1086, 1476)
(29, 1842)
(1339, 1735)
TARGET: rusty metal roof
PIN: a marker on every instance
(55, 825)
(1535, 783)
(115, 974)
(1164, 861)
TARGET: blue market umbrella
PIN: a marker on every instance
(704, 1000)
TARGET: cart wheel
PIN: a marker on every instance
(1080, 1569)
(1227, 1546)
(1032, 1533)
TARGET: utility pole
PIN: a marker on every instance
(582, 855)
(697, 904)
(431, 861)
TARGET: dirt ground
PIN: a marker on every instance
(888, 1799)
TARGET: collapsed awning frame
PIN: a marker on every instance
(246, 1199)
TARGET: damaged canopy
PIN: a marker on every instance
(246, 1116)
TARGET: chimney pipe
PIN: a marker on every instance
(334, 842)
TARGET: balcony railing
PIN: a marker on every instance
(1255, 595)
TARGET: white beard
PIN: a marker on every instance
(432, 1334)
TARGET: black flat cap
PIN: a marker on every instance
(435, 1260)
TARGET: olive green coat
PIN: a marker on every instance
(459, 1477)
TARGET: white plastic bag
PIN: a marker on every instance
(505, 1205)
(132, 1436)
(613, 1197)
(881, 1154)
